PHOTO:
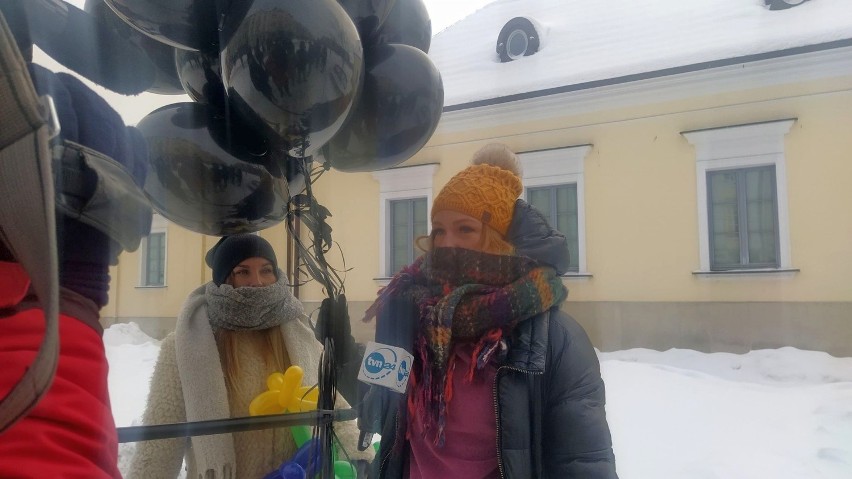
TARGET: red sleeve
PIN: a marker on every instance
(71, 432)
(14, 284)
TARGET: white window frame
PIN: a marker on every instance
(561, 166)
(734, 147)
(400, 184)
(158, 225)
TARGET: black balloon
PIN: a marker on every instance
(368, 15)
(201, 76)
(185, 24)
(396, 114)
(407, 23)
(211, 176)
(160, 55)
(293, 69)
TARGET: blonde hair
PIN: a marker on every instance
(269, 341)
(490, 242)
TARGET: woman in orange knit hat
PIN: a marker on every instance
(496, 361)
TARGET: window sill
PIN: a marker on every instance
(568, 276)
(576, 276)
(151, 287)
(777, 272)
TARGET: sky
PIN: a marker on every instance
(677, 414)
(444, 13)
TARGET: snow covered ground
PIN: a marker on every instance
(677, 414)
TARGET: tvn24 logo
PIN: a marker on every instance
(380, 363)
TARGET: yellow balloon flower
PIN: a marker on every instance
(285, 394)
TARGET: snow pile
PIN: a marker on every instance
(679, 414)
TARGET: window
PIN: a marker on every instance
(518, 38)
(558, 203)
(408, 222)
(554, 184)
(743, 218)
(152, 267)
(405, 201)
(742, 197)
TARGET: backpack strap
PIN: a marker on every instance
(27, 218)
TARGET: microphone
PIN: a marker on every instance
(82, 43)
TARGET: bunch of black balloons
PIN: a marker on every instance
(274, 83)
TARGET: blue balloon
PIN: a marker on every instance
(308, 456)
(298, 467)
(291, 470)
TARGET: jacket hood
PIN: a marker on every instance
(533, 237)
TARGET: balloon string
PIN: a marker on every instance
(312, 216)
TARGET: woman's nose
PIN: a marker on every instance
(448, 240)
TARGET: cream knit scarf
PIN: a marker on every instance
(203, 382)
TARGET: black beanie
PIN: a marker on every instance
(232, 250)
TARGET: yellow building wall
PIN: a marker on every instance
(640, 195)
(640, 205)
(353, 200)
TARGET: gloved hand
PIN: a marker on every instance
(333, 320)
(85, 250)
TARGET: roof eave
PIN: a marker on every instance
(781, 67)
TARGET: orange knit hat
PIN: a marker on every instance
(487, 190)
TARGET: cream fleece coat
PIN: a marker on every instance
(257, 453)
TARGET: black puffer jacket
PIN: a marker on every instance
(548, 393)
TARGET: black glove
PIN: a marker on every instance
(333, 322)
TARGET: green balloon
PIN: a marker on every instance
(344, 470)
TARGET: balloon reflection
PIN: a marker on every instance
(201, 76)
(294, 69)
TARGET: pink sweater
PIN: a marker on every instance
(470, 448)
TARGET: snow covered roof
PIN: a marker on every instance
(588, 41)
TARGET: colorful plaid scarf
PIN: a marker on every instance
(464, 294)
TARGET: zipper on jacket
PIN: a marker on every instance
(393, 444)
(497, 412)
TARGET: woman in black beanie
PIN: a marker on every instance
(231, 334)
(231, 251)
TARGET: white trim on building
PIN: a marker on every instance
(757, 144)
(396, 184)
(558, 167)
